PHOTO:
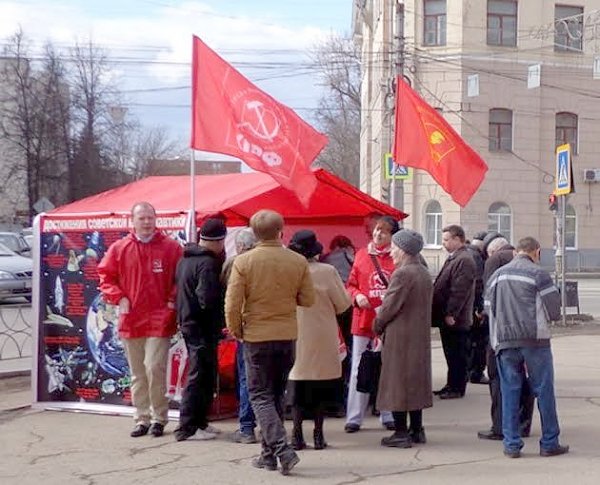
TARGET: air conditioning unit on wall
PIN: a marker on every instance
(591, 175)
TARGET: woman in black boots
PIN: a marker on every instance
(404, 321)
(315, 379)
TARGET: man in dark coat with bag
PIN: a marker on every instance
(200, 300)
(404, 321)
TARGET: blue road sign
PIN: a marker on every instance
(563, 184)
(394, 171)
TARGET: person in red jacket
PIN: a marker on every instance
(372, 269)
(137, 273)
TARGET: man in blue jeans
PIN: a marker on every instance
(245, 240)
(521, 300)
(246, 416)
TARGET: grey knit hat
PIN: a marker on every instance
(411, 242)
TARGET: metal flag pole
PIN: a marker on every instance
(192, 214)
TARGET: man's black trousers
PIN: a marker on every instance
(200, 387)
(455, 343)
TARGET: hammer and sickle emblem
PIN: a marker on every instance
(264, 124)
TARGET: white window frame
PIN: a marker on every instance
(438, 224)
(495, 216)
(502, 30)
(571, 44)
(497, 125)
(574, 146)
(573, 217)
(441, 26)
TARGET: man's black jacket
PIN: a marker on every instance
(477, 256)
(501, 257)
(454, 290)
(200, 295)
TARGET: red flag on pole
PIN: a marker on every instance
(424, 139)
(230, 115)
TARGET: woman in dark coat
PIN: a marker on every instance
(404, 321)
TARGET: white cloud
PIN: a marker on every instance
(165, 27)
(146, 31)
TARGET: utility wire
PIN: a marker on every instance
(486, 137)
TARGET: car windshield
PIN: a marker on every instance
(10, 241)
(4, 251)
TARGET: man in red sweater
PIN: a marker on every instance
(137, 273)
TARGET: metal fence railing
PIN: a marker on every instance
(16, 339)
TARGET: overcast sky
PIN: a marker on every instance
(150, 41)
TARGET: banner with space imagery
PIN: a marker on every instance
(80, 356)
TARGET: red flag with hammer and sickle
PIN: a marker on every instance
(424, 139)
(231, 115)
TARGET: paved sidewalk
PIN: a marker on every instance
(70, 448)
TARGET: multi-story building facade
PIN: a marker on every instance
(515, 78)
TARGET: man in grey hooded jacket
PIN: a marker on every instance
(521, 300)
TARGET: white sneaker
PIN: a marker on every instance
(212, 429)
(203, 435)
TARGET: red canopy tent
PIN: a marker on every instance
(71, 238)
(335, 204)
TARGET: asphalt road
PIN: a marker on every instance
(589, 297)
(63, 448)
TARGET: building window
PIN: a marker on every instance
(500, 138)
(500, 219)
(570, 228)
(566, 130)
(435, 22)
(433, 223)
(502, 22)
(568, 28)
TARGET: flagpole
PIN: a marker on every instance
(399, 74)
(192, 235)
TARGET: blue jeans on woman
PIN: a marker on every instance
(245, 413)
(540, 369)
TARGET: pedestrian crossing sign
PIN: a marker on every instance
(394, 171)
(564, 182)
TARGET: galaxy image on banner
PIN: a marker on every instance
(81, 355)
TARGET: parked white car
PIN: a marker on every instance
(16, 243)
(16, 273)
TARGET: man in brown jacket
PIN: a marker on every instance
(265, 286)
(452, 310)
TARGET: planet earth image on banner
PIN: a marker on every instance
(103, 338)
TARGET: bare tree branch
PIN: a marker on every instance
(338, 113)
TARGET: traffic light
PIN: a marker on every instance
(553, 202)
